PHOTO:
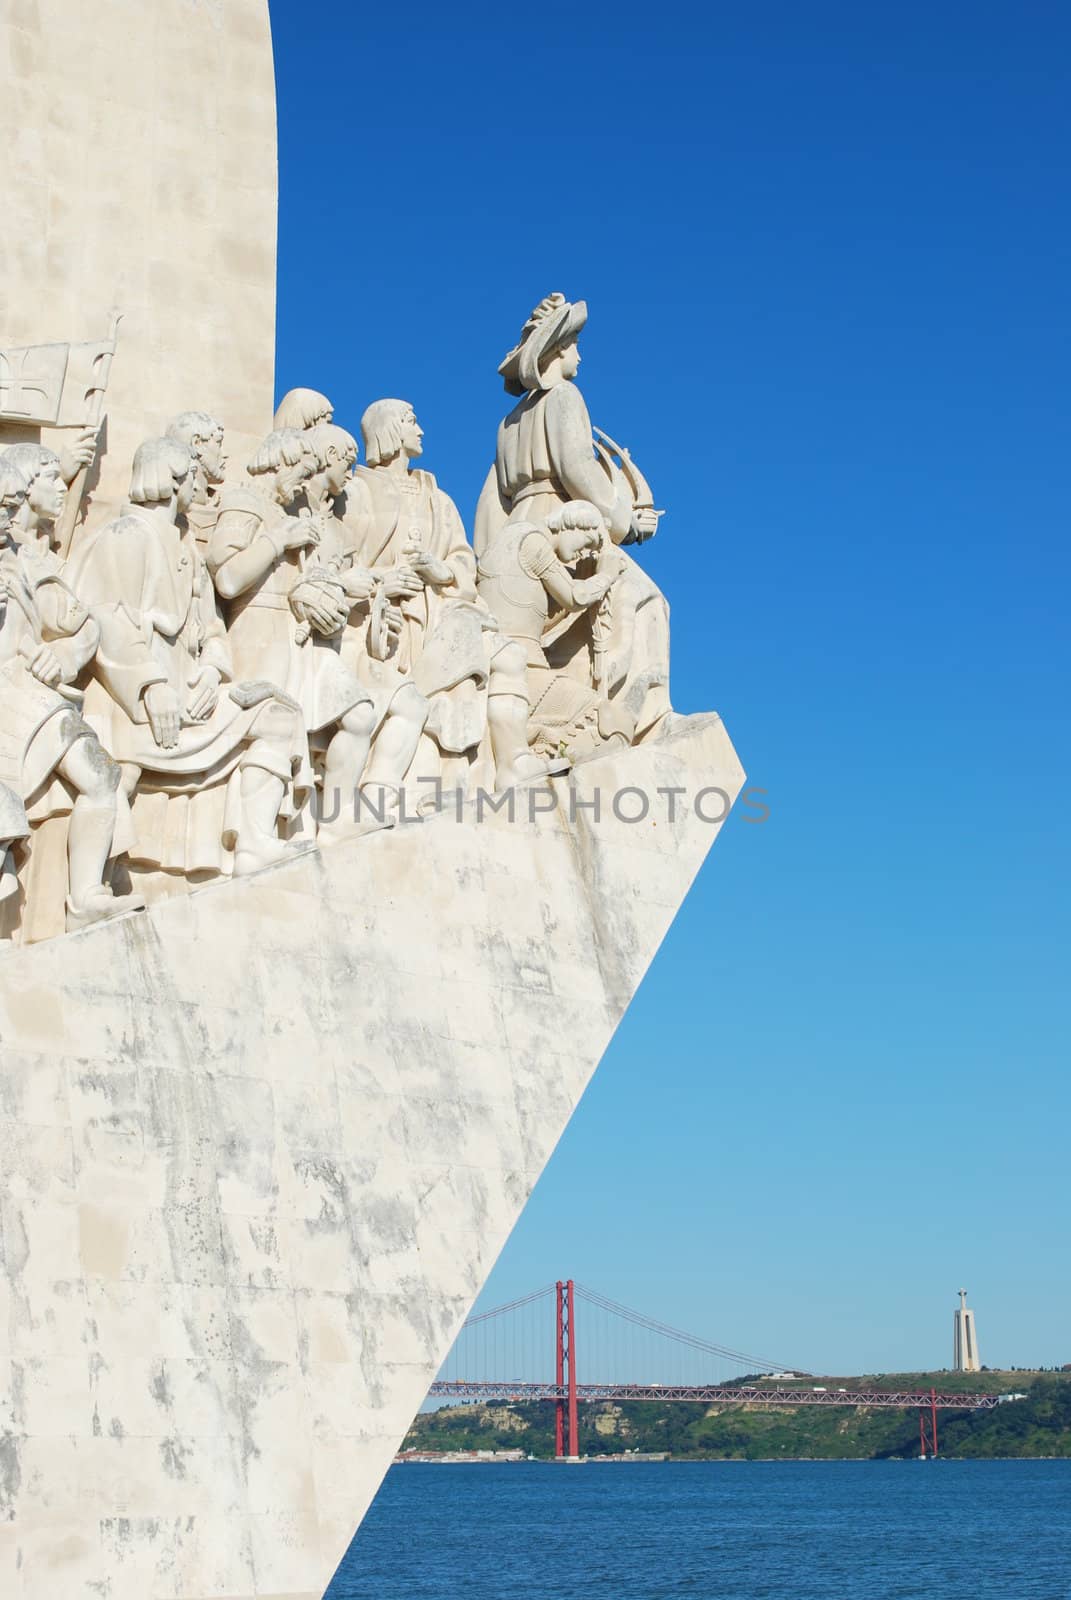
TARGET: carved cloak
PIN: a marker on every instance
(443, 646)
(149, 592)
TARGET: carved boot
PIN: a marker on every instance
(529, 767)
(100, 906)
(344, 811)
(258, 845)
(377, 807)
(89, 840)
(507, 718)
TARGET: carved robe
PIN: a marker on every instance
(202, 516)
(261, 627)
(544, 457)
(443, 645)
(267, 639)
(150, 594)
(38, 724)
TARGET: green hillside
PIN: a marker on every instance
(1040, 1425)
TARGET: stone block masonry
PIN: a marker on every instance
(260, 1146)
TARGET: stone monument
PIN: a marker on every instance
(965, 1356)
(139, 179)
(334, 846)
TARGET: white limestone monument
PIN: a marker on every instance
(965, 1356)
(333, 846)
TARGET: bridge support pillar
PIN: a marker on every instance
(559, 1371)
(565, 1421)
(928, 1427)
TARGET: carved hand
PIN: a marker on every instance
(78, 454)
(431, 569)
(417, 558)
(645, 522)
(298, 533)
(401, 582)
(45, 665)
(321, 605)
(589, 591)
(358, 582)
(161, 703)
(204, 694)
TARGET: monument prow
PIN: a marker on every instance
(263, 1144)
(275, 1085)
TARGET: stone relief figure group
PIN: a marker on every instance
(231, 671)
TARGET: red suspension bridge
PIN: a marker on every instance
(498, 1353)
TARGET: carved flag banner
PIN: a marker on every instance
(55, 385)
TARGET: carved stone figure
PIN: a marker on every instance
(350, 693)
(203, 437)
(524, 579)
(208, 768)
(303, 408)
(45, 475)
(255, 559)
(546, 455)
(51, 763)
(61, 386)
(409, 534)
(323, 624)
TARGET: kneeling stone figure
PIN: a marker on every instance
(524, 579)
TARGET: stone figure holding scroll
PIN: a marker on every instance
(207, 762)
(51, 763)
(547, 454)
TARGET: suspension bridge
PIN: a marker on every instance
(528, 1350)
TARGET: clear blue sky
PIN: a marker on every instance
(827, 254)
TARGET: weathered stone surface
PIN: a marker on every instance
(260, 1147)
(140, 173)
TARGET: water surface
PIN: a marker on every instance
(809, 1530)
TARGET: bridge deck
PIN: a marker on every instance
(717, 1394)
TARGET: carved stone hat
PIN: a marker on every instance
(554, 323)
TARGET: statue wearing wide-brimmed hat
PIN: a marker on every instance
(548, 454)
(545, 454)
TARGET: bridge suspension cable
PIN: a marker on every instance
(652, 1325)
(512, 1305)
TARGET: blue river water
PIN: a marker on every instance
(809, 1530)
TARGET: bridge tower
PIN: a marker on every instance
(928, 1428)
(565, 1374)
